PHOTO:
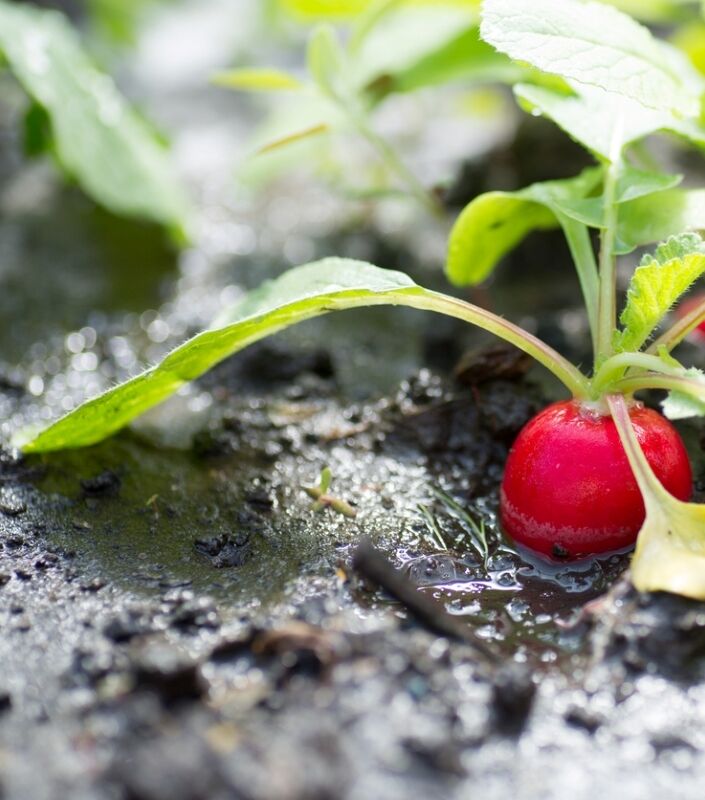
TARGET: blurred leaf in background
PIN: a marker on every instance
(78, 115)
(314, 10)
(379, 48)
(118, 21)
(657, 10)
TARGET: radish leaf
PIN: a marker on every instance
(595, 45)
(680, 405)
(670, 548)
(302, 293)
(656, 285)
(591, 115)
(494, 223)
(658, 216)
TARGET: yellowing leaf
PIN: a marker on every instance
(251, 79)
(292, 138)
(670, 552)
(670, 548)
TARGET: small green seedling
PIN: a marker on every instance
(476, 531)
(598, 463)
(322, 499)
(435, 534)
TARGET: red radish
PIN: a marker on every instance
(568, 490)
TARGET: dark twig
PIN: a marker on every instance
(513, 689)
(369, 563)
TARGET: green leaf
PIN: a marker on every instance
(326, 63)
(299, 294)
(596, 45)
(302, 293)
(257, 79)
(670, 551)
(463, 57)
(324, 9)
(679, 405)
(98, 139)
(326, 478)
(37, 131)
(494, 223)
(487, 229)
(656, 285)
(595, 118)
(656, 217)
(632, 184)
(404, 38)
(117, 21)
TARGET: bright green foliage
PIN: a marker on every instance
(299, 294)
(251, 79)
(307, 10)
(315, 9)
(464, 57)
(97, 138)
(656, 285)
(416, 40)
(303, 293)
(490, 227)
(595, 45)
(633, 184)
(650, 209)
(655, 217)
(494, 223)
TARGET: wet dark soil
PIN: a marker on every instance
(180, 623)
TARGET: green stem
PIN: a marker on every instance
(669, 383)
(389, 156)
(651, 489)
(578, 238)
(675, 334)
(614, 368)
(569, 375)
(607, 306)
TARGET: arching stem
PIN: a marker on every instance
(650, 487)
(675, 334)
(614, 368)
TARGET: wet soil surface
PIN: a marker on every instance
(180, 622)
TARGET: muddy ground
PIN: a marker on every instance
(178, 622)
